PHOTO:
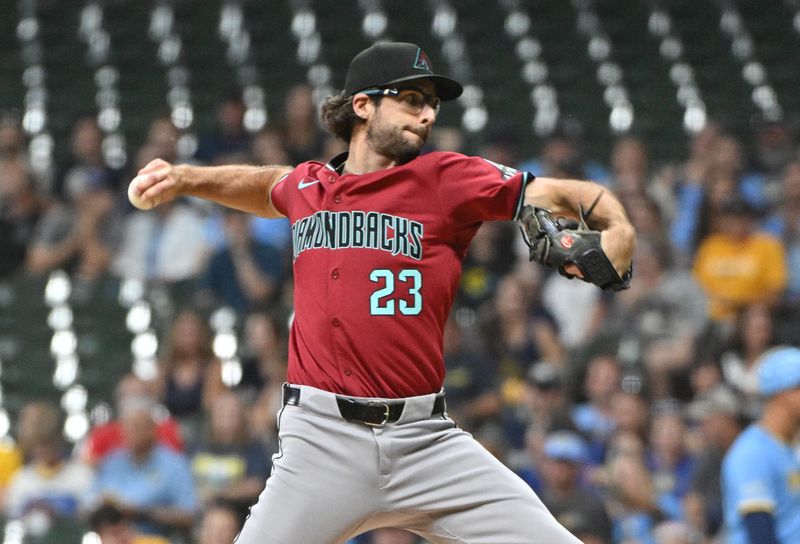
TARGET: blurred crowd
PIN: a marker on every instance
(616, 408)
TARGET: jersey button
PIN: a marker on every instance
(337, 199)
(332, 178)
(347, 371)
(335, 274)
(335, 322)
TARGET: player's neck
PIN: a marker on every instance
(780, 422)
(361, 159)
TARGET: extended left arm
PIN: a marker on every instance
(564, 197)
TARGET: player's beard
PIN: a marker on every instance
(390, 141)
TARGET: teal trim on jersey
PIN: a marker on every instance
(527, 177)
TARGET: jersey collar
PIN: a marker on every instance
(337, 163)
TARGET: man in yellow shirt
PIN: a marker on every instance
(736, 265)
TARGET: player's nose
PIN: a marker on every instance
(428, 115)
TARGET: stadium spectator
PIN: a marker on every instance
(489, 258)
(784, 222)
(229, 142)
(594, 417)
(268, 148)
(673, 181)
(244, 273)
(574, 505)
(753, 334)
(738, 266)
(302, 137)
(761, 470)
(669, 462)
(21, 208)
(162, 140)
(675, 532)
(86, 165)
(693, 191)
(519, 331)
(648, 219)
(111, 525)
(543, 407)
(630, 413)
(12, 138)
(220, 523)
(472, 395)
(563, 155)
(628, 490)
(107, 437)
(630, 168)
(11, 460)
(719, 415)
(167, 245)
(148, 482)
(773, 150)
(560, 297)
(50, 486)
(227, 463)
(264, 361)
(189, 376)
(80, 234)
(658, 320)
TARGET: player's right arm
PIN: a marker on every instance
(242, 187)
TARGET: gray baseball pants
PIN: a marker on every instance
(333, 479)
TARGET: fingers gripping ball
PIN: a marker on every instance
(135, 195)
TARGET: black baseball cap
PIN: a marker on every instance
(388, 63)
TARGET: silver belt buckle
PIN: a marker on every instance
(386, 411)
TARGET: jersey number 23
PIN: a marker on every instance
(381, 301)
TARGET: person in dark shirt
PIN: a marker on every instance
(244, 273)
(719, 414)
(472, 393)
(573, 505)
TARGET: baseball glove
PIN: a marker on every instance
(557, 243)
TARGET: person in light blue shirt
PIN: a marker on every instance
(761, 471)
(148, 482)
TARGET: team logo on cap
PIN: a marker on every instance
(422, 62)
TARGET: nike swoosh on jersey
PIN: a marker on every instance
(303, 183)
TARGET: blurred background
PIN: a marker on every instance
(162, 335)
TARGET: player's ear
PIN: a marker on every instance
(362, 105)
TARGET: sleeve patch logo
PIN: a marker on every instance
(505, 171)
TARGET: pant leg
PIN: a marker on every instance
(322, 487)
(463, 493)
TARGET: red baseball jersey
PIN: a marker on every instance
(377, 262)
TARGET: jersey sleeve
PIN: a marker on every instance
(472, 189)
(747, 480)
(278, 194)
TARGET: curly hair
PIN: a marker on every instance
(338, 117)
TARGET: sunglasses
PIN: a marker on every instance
(412, 100)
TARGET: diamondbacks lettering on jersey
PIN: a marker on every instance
(358, 229)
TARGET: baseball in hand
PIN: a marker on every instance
(135, 199)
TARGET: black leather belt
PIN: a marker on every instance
(369, 412)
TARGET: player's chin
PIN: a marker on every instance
(408, 152)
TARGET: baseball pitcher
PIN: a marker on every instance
(379, 233)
